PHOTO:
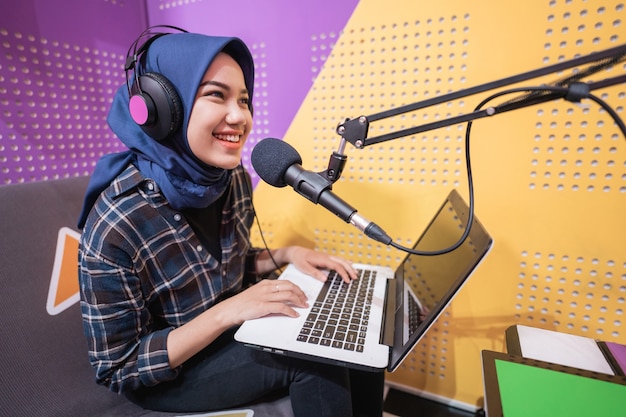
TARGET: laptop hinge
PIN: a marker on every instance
(389, 313)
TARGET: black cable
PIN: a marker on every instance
(258, 223)
(470, 214)
(558, 92)
(535, 94)
(269, 252)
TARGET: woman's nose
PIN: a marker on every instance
(236, 114)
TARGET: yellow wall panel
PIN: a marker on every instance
(550, 180)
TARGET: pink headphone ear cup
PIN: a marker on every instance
(141, 108)
(156, 106)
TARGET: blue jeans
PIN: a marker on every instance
(227, 374)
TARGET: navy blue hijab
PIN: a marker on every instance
(186, 182)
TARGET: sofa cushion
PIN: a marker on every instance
(43, 350)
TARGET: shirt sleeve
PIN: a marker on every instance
(251, 276)
(123, 352)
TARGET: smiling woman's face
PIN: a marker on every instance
(220, 119)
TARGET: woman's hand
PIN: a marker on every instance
(312, 262)
(264, 298)
(309, 261)
(281, 296)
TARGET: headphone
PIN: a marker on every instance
(154, 103)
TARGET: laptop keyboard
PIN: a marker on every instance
(415, 315)
(340, 315)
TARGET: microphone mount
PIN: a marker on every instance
(336, 163)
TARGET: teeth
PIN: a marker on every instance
(228, 138)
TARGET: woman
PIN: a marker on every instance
(166, 269)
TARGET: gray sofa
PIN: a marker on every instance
(45, 369)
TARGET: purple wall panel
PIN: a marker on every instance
(61, 61)
(75, 21)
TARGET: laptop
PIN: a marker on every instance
(520, 387)
(397, 309)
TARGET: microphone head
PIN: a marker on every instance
(271, 158)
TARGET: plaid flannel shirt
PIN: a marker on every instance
(144, 272)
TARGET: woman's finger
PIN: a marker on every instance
(286, 292)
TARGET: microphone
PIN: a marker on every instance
(279, 165)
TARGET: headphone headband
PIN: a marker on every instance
(138, 50)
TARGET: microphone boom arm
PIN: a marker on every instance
(355, 131)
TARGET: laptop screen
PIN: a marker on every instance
(435, 280)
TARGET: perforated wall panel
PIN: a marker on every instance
(550, 180)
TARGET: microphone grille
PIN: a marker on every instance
(271, 158)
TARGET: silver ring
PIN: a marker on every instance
(277, 289)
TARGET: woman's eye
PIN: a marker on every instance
(218, 94)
